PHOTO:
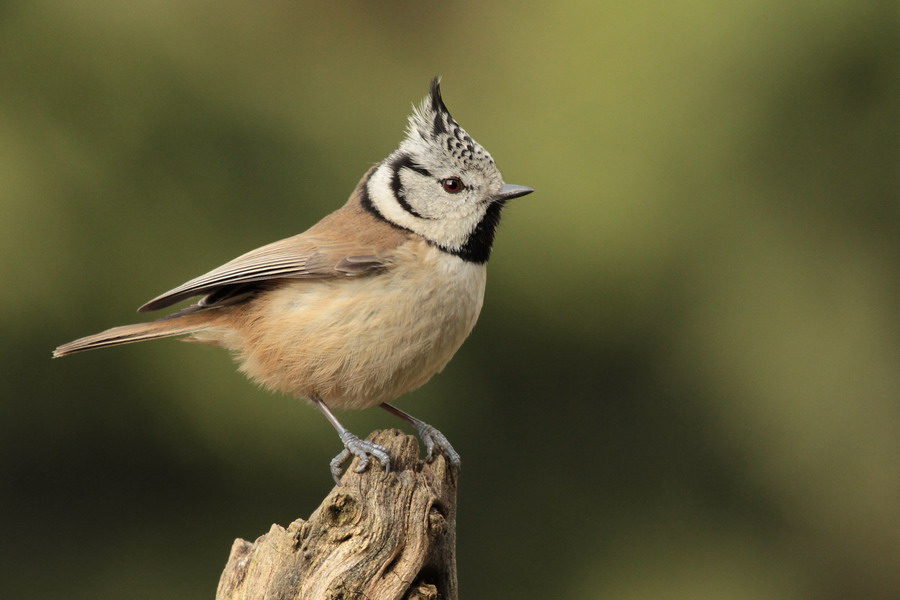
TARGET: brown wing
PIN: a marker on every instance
(300, 256)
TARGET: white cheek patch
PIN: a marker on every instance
(425, 196)
(442, 221)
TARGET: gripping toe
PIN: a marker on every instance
(363, 449)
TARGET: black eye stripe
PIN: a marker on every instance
(405, 161)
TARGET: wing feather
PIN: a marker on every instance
(300, 256)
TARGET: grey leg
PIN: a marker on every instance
(353, 446)
(431, 437)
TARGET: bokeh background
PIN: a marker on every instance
(684, 383)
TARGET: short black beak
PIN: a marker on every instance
(509, 191)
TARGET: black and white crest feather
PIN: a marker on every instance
(407, 188)
(434, 123)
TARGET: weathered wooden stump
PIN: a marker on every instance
(377, 536)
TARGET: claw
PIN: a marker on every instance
(431, 437)
(336, 463)
(434, 439)
(353, 446)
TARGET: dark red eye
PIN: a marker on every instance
(452, 185)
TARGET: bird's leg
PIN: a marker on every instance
(353, 446)
(429, 435)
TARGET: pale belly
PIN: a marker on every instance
(358, 342)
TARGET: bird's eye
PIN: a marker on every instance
(452, 185)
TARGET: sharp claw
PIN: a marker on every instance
(363, 463)
(434, 439)
(429, 447)
(431, 437)
(353, 446)
(336, 463)
(383, 457)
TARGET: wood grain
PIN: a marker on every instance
(377, 536)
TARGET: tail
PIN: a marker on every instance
(139, 332)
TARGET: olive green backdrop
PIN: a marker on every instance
(684, 383)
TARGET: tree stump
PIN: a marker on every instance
(376, 536)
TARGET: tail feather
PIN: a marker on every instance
(139, 332)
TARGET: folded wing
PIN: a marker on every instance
(300, 256)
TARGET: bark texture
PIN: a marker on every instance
(377, 536)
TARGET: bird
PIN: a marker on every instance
(367, 304)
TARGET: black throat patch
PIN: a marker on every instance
(477, 248)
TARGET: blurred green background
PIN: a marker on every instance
(684, 383)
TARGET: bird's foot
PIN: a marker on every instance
(434, 439)
(353, 446)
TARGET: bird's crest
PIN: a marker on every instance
(432, 123)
